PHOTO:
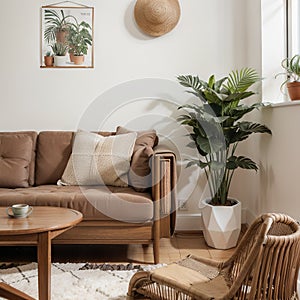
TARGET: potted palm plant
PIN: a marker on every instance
(216, 131)
(79, 40)
(292, 73)
(57, 25)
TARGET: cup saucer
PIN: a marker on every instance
(19, 216)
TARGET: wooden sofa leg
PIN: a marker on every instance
(156, 251)
(156, 241)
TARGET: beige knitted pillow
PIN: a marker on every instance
(98, 160)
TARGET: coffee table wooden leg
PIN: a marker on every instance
(44, 266)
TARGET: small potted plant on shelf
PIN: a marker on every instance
(79, 40)
(292, 72)
(48, 59)
(216, 131)
(60, 50)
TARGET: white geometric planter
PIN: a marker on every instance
(222, 224)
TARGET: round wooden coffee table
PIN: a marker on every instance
(44, 224)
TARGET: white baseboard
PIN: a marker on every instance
(193, 221)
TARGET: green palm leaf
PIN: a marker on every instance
(199, 163)
(241, 110)
(243, 162)
(240, 81)
(195, 83)
(251, 127)
(219, 83)
(243, 130)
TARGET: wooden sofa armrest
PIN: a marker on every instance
(164, 185)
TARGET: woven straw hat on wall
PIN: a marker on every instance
(156, 17)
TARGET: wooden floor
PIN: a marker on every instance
(174, 249)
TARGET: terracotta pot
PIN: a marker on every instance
(294, 90)
(48, 61)
(61, 36)
(78, 60)
(222, 224)
(71, 57)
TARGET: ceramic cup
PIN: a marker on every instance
(19, 210)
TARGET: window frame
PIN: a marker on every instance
(292, 11)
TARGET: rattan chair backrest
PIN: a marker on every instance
(266, 262)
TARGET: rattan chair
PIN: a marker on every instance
(264, 265)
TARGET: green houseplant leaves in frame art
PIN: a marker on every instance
(72, 29)
(79, 41)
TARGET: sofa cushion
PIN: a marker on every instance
(53, 152)
(99, 160)
(95, 203)
(21, 136)
(139, 175)
(16, 154)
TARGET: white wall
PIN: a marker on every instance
(275, 188)
(204, 41)
(280, 188)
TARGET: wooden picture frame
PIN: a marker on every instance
(67, 37)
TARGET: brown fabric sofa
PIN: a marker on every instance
(31, 163)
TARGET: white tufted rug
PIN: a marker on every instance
(73, 281)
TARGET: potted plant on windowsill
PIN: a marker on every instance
(292, 72)
(79, 40)
(60, 50)
(216, 131)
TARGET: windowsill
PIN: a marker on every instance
(280, 104)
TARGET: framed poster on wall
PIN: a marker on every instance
(67, 37)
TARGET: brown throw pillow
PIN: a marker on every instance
(139, 175)
(15, 157)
